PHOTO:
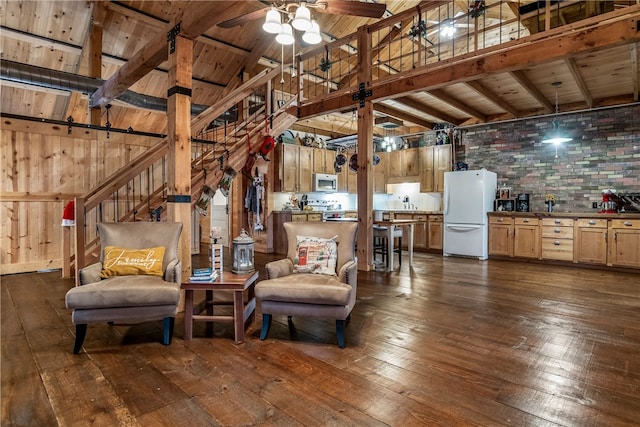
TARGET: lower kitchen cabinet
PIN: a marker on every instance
(591, 241)
(624, 243)
(526, 238)
(434, 232)
(557, 239)
(501, 236)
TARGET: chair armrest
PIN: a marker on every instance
(173, 273)
(90, 274)
(280, 268)
(348, 273)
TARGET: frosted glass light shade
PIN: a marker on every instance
(448, 30)
(286, 35)
(312, 35)
(272, 22)
(302, 20)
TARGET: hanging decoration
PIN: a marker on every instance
(225, 182)
(268, 144)
(418, 30)
(251, 160)
(107, 125)
(477, 8)
(202, 205)
(325, 63)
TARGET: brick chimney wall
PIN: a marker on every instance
(604, 153)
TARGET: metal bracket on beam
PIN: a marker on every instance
(179, 90)
(171, 37)
(362, 94)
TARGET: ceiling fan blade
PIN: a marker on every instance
(243, 19)
(356, 8)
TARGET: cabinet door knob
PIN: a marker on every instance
(592, 222)
(525, 220)
(500, 219)
(628, 223)
(557, 221)
(556, 230)
(557, 243)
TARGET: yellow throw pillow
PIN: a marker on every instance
(125, 262)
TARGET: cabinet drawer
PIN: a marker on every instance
(420, 217)
(626, 223)
(566, 222)
(435, 218)
(314, 217)
(592, 223)
(500, 220)
(298, 217)
(351, 215)
(557, 232)
(527, 221)
(403, 215)
(560, 249)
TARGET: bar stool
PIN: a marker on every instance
(380, 243)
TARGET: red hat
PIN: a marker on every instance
(69, 214)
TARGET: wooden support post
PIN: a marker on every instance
(365, 154)
(179, 138)
(95, 55)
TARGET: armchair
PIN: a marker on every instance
(291, 293)
(129, 295)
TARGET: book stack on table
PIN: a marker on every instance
(203, 275)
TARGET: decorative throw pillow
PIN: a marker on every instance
(316, 255)
(125, 262)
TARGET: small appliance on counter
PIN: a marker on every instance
(522, 203)
(608, 204)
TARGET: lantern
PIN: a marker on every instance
(243, 253)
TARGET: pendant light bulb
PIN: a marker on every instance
(272, 24)
(302, 20)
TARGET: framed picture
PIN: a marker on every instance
(504, 193)
(505, 205)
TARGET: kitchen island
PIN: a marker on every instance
(607, 240)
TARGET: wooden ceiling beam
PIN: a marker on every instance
(199, 17)
(523, 80)
(402, 115)
(577, 77)
(456, 103)
(417, 105)
(529, 51)
(492, 97)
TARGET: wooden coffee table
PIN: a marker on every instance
(226, 281)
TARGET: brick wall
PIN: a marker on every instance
(604, 153)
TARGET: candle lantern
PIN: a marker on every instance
(243, 253)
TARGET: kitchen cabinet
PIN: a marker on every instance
(306, 217)
(404, 166)
(295, 168)
(323, 161)
(380, 173)
(591, 241)
(501, 236)
(526, 238)
(624, 243)
(352, 180)
(420, 235)
(434, 232)
(557, 238)
(434, 161)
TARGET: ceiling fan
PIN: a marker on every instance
(335, 7)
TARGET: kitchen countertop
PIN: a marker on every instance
(626, 215)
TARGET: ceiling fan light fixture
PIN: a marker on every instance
(312, 35)
(302, 19)
(556, 136)
(285, 36)
(448, 29)
(272, 24)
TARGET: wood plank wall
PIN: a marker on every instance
(43, 166)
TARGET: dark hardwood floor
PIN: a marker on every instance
(450, 342)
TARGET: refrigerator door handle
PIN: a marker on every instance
(462, 227)
(446, 202)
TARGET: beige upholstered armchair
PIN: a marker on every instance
(321, 287)
(136, 279)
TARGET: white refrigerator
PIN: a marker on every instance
(468, 196)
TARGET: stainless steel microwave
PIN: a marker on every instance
(323, 182)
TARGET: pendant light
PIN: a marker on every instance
(556, 136)
(285, 36)
(272, 23)
(300, 20)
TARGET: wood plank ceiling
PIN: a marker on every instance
(55, 35)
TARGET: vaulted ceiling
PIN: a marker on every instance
(56, 35)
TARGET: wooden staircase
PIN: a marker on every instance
(117, 199)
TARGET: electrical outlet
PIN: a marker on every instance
(594, 205)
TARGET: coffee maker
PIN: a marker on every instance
(608, 204)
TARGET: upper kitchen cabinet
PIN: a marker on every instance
(323, 161)
(295, 168)
(380, 173)
(435, 160)
(404, 166)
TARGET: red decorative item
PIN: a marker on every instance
(69, 214)
(267, 146)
